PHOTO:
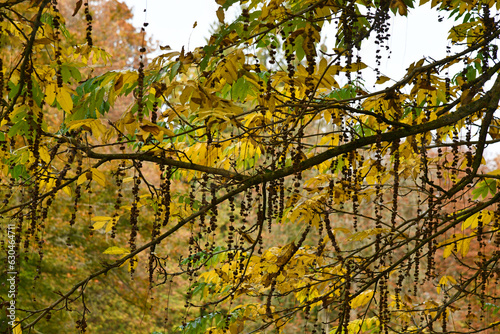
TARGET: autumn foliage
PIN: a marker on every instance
(263, 181)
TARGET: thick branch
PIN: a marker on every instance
(169, 162)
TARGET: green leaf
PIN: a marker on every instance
(483, 188)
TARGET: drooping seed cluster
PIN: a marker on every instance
(57, 40)
(134, 213)
(88, 19)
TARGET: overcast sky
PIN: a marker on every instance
(171, 23)
(413, 37)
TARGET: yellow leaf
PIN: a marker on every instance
(116, 250)
(50, 93)
(98, 176)
(128, 179)
(464, 246)
(112, 223)
(444, 281)
(100, 224)
(342, 229)
(80, 123)
(473, 221)
(447, 278)
(272, 268)
(16, 328)
(447, 251)
(382, 79)
(236, 327)
(67, 190)
(130, 77)
(210, 277)
(44, 154)
(157, 131)
(64, 99)
(101, 218)
(362, 299)
(98, 129)
(82, 178)
(280, 278)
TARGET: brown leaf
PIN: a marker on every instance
(188, 59)
(327, 300)
(43, 41)
(159, 89)
(151, 129)
(467, 96)
(197, 100)
(246, 236)
(220, 14)
(77, 7)
(286, 253)
(400, 6)
(119, 82)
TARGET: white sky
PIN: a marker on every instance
(412, 37)
(171, 23)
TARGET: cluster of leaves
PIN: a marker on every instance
(382, 191)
